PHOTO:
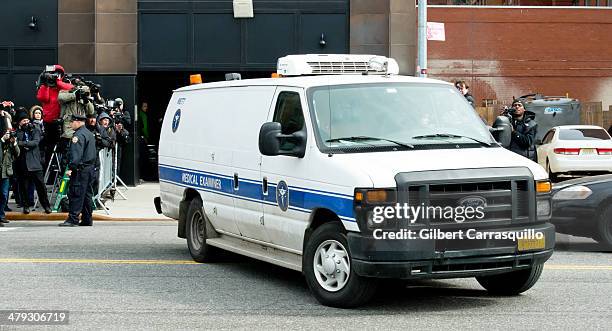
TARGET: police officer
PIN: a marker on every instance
(82, 159)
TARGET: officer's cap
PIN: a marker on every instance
(78, 117)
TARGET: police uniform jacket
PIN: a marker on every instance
(82, 149)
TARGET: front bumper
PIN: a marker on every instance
(574, 217)
(430, 258)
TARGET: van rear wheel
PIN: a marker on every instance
(511, 283)
(196, 232)
(328, 271)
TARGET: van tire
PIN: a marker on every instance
(356, 291)
(511, 283)
(195, 229)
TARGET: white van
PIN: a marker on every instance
(299, 171)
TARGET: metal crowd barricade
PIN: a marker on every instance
(105, 176)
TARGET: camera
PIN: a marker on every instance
(49, 78)
(83, 95)
(27, 127)
(93, 87)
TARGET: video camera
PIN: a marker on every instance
(49, 77)
(83, 95)
(93, 87)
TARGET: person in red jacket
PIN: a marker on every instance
(47, 95)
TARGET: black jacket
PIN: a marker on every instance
(28, 141)
(523, 136)
(82, 151)
(470, 100)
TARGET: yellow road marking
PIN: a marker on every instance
(96, 261)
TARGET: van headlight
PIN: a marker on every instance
(577, 192)
(543, 207)
(370, 203)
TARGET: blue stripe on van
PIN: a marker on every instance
(300, 199)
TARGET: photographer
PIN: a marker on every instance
(107, 132)
(524, 129)
(29, 167)
(50, 83)
(122, 138)
(75, 101)
(10, 151)
(119, 114)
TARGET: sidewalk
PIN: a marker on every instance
(138, 207)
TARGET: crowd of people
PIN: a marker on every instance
(69, 106)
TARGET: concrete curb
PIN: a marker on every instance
(38, 216)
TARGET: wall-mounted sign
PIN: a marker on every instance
(243, 8)
(435, 31)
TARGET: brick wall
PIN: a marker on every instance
(506, 52)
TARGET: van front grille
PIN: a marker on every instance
(501, 201)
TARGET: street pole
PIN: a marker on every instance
(422, 38)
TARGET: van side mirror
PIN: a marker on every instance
(502, 131)
(273, 142)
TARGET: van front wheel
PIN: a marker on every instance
(511, 283)
(328, 271)
(196, 232)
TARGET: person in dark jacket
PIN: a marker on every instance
(524, 130)
(36, 116)
(29, 166)
(8, 152)
(463, 87)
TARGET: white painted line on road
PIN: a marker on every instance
(7, 229)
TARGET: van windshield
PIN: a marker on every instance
(394, 116)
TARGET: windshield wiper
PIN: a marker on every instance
(362, 138)
(450, 135)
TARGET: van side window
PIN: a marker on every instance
(288, 112)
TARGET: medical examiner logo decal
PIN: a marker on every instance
(282, 195)
(176, 120)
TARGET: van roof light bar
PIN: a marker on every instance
(336, 64)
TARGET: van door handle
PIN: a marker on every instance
(265, 186)
(236, 183)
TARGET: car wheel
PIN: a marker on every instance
(196, 232)
(551, 175)
(511, 283)
(328, 271)
(604, 227)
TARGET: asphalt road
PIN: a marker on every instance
(139, 275)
